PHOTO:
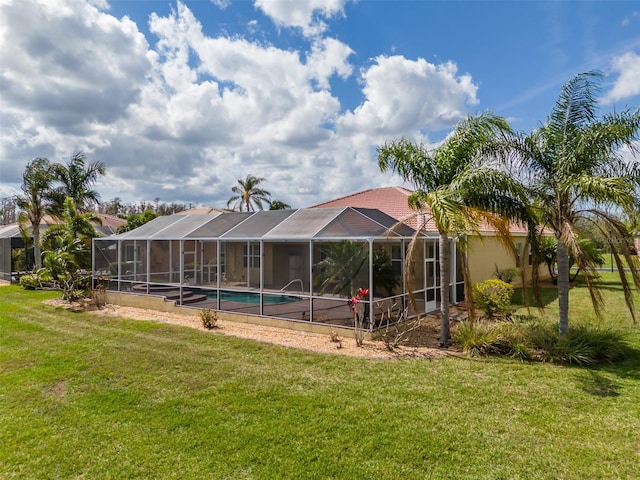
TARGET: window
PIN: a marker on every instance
(132, 253)
(251, 255)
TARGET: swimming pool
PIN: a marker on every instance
(251, 297)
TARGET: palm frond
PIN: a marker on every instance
(602, 139)
(576, 105)
(412, 162)
(599, 190)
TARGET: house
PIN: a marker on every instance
(301, 266)
(487, 254)
(11, 239)
(297, 265)
(200, 210)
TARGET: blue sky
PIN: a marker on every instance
(180, 99)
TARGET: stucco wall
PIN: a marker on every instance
(488, 253)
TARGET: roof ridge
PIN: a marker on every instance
(361, 192)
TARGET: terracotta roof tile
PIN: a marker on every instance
(200, 210)
(393, 202)
(390, 200)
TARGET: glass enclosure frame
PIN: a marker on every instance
(310, 275)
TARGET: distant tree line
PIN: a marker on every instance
(120, 209)
(8, 210)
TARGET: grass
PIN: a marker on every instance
(83, 396)
(609, 262)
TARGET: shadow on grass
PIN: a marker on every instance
(596, 379)
(548, 295)
(613, 285)
(596, 384)
(592, 378)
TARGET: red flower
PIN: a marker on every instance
(363, 292)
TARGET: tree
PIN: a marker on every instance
(8, 210)
(247, 194)
(279, 205)
(67, 255)
(33, 202)
(342, 268)
(137, 220)
(113, 206)
(459, 188)
(75, 226)
(75, 180)
(548, 253)
(574, 171)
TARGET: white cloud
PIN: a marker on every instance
(304, 14)
(252, 93)
(328, 57)
(632, 17)
(74, 64)
(222, 4)
(405, 95)
(628, 81)
(183, 118)
(68, 70)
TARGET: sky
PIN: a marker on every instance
(182, 98)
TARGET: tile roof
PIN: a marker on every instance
(110, 224)
(393, 202)
(200, 210)
(111, 221)
(390, 200)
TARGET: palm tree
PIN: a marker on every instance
(455, 183)
(73, 235)
(248, 194)
(278, 205)
(36, 183)
(341, 268)
(574, 172)
(76, 179)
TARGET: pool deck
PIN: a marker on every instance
(326, 310)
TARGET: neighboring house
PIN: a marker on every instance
(200, 211)
(10, 238)
(486, 254)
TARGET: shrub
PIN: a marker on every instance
(19, 258)
(209, 318)
(535, 340)
(37, 280)
(585, 344)
(475, 339)
(99, 293)
(397, 326)
(30, 281)
(493, 297)
(506, 275)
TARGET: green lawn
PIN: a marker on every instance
(609, 262)
(85, 396)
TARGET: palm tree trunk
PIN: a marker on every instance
(35, 227)
(563, 287)
(445, 274)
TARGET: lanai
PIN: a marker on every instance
(301, 265)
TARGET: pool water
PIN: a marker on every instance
(249, 297)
